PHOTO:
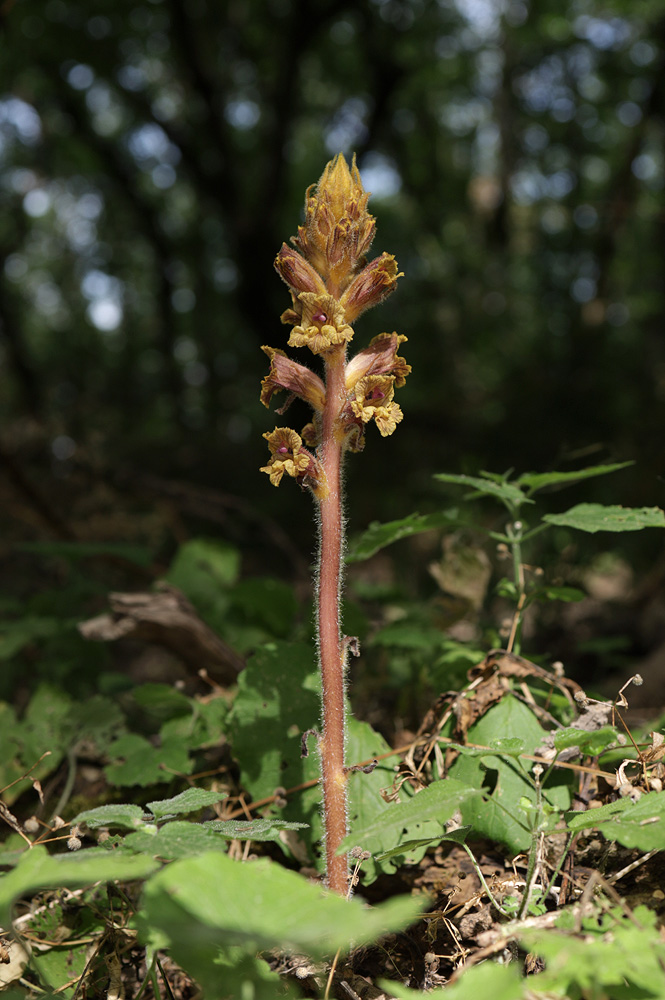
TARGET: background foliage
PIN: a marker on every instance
(153, 157)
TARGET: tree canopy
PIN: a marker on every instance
(153, 157)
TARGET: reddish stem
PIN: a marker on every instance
(331, 652)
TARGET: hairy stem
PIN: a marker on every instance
(331, 652)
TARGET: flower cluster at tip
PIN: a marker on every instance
(331, 285)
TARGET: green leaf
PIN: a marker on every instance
(498, 816)
(56, 966)
(39, 870)
(594, 517)
(511, 746)
(191, 800)
(203, 567)
(162, 701)
(143, 764)
(26, 630)
(366, 802)
(252, 829)
(277, 701)
(127, 817)
(618, 957)
(457, 836)
(409, 635)
(378, 535)
(259, 905)
(590, 743)
(499, 982)
(266, 602)
(508, 493)
(638, 824)
(175, 840)
(568, 594)
(537, 480)
(438, 802)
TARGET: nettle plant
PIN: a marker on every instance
(331, 285)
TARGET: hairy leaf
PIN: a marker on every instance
(260, 905)
(191, 800)
(39, 870)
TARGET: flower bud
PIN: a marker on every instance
(338, 229)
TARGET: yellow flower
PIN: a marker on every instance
(321, 324)
(374, 401)
(291, 459)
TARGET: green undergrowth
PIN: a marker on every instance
(183, 824)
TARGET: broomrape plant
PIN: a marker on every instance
(331, 285)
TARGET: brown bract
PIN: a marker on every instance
(297, 379)
(380, 358)
(374, 284)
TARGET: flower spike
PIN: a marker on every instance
(331, 284)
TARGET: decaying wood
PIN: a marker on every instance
(167, 619)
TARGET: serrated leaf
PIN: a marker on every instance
(438, 802)
(509, 493)
(638, 824)
(592, 517)
(252, 829)
(259, 905)
(39, 870)
(126, 817)
(191, 800)
(378, 535)
(175, 840)
(537, 480)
